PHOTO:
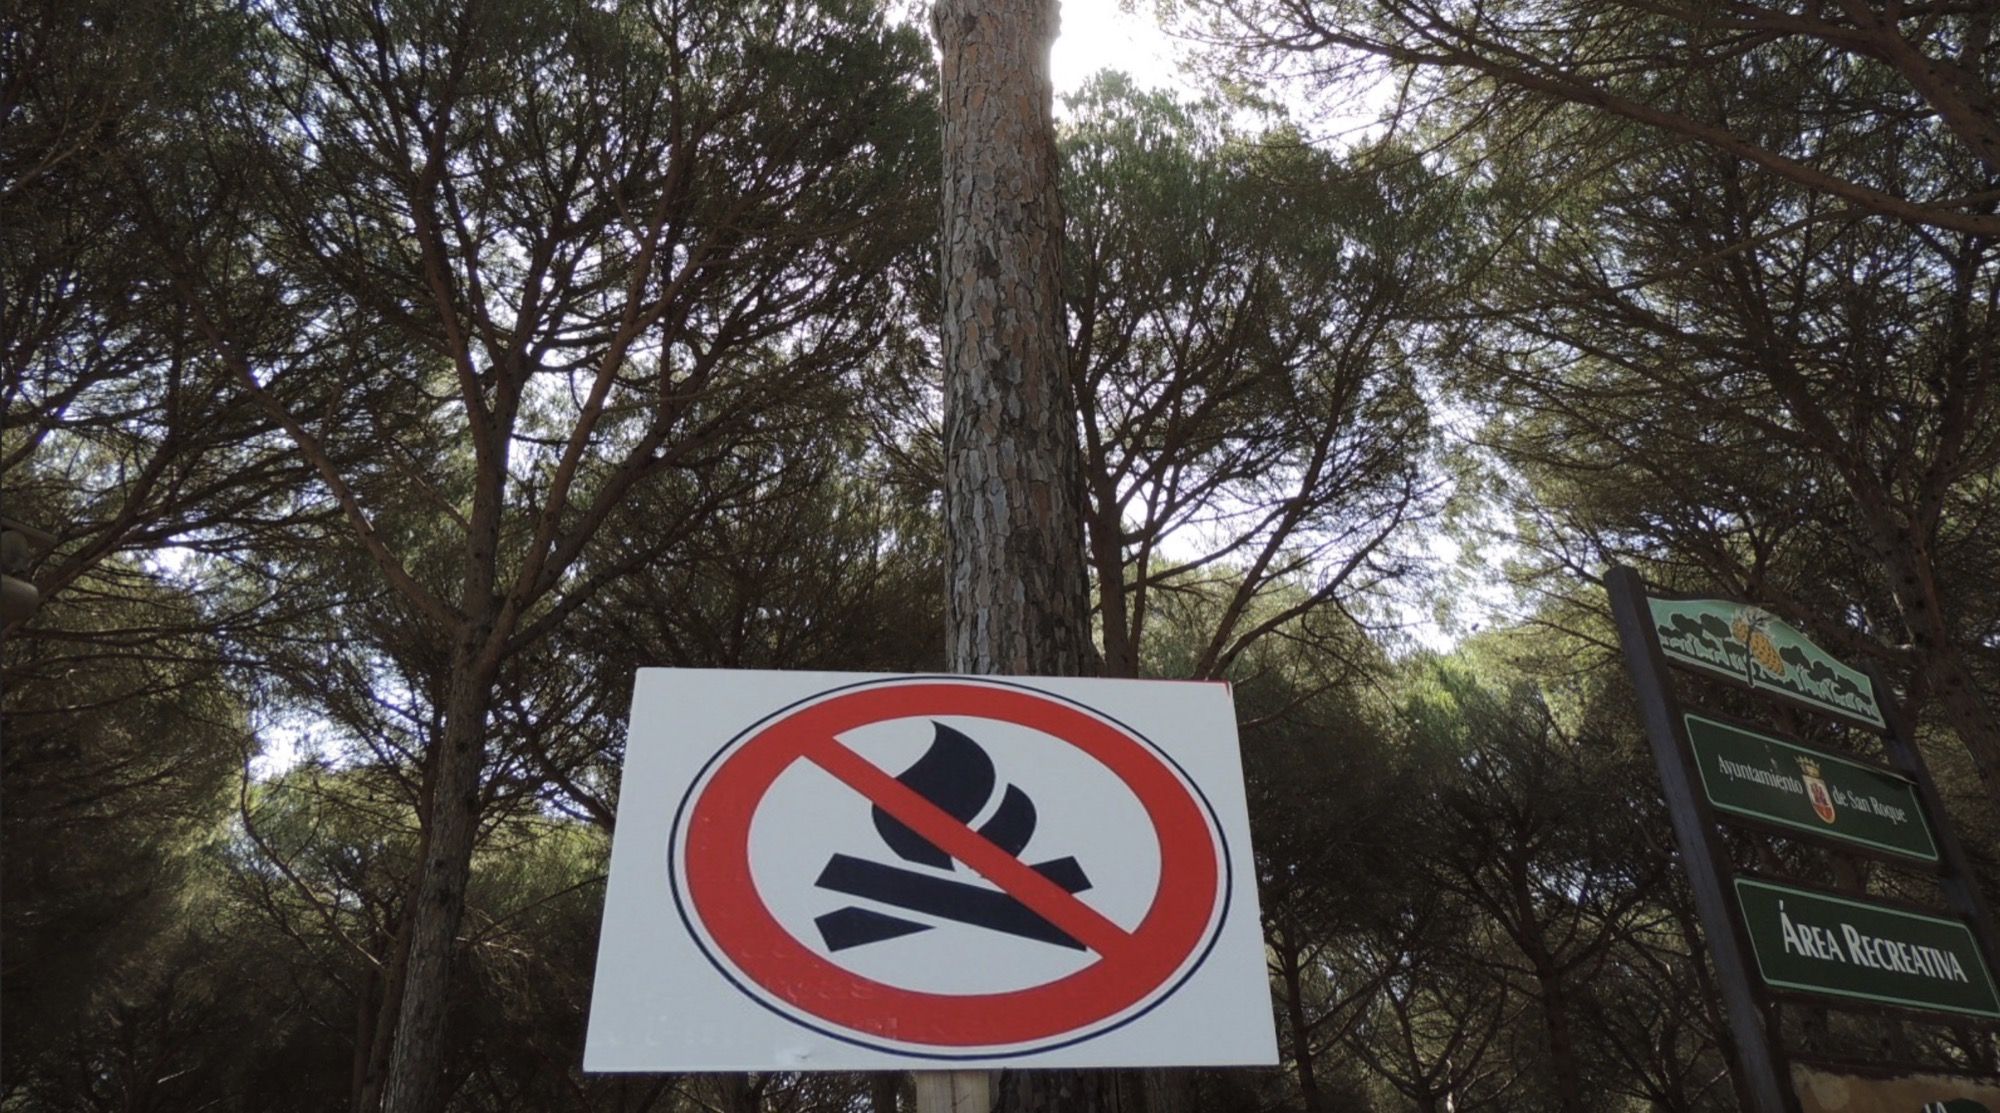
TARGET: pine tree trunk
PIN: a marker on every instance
(417, 1054)
(883, 1091)
(1531, 938)
(1012, 480)
(1568, 1075)
(1914, 583)
(1286, 949)
(367, 1001)
(382, 1030)
(735, 1094)
(1017, 595)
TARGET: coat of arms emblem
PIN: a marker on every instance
(1816, 790)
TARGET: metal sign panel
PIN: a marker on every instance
(1750, 646)
(825, 871)
(1749, 773)
(1818, 943)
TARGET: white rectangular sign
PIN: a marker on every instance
(845, 871)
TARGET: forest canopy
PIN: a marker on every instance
(393, 378)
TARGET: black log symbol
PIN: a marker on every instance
(956, 775)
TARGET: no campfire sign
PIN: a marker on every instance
(837, 871)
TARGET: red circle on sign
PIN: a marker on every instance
(1132, 969)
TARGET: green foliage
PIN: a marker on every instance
(123, 735)
(1245, 313)
(340, 335)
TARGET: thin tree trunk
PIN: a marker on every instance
(1295, 1016)
(361, 1089)
(1554, 990)
(1066, 1092)
(388, 1007)
(1562, 1042)
(883, 1091)
(737, 1095)
(1107, 555)
(1913, 580)
(417, 1055)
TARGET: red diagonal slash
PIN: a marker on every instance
(1044, 897)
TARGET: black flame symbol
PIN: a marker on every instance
(955, 774)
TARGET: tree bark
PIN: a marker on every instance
(1913, 582)
(883, 1092)
(1017, 598)
(1286, 948)
(438, 906)
(387, 1007)
(1068, 1091)
(363, 1068)
(1562, 1043)
(1551, 981)
(1017, 590)
(736, 1094)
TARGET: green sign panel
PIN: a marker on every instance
(1748, 645)
(1848, 948)
(1751, 774)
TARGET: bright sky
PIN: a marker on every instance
(1096, 35)
(1099, 34)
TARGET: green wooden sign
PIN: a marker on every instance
(1838, 947)
(1747, 773)
(1750, 646)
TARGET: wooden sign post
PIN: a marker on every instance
(1774, 941)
